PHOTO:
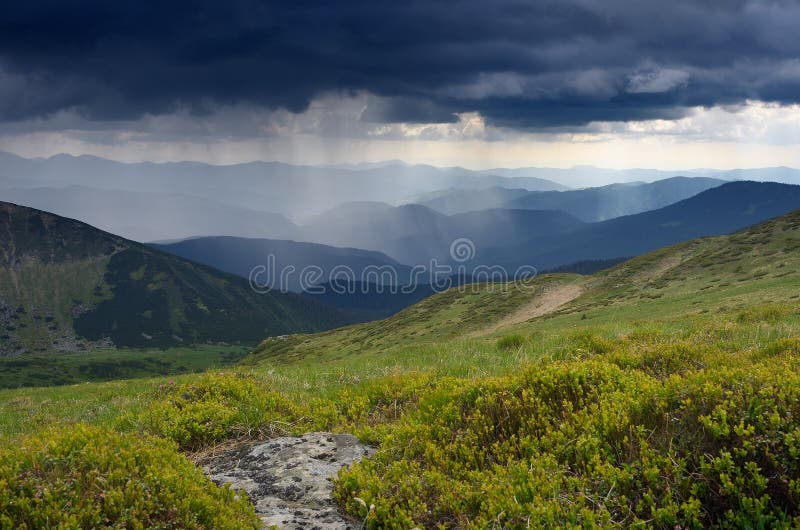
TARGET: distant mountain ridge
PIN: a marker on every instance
(548, 239)
(286, 258)
(294, 191)
(450, 202)
(617, 200)
(365, 285)
(588, 204)
(176, 200)
(716, 211)
(583, 176)
(414, 234)
(144, 217)
(66, 286)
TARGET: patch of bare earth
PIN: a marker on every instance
(544, 302)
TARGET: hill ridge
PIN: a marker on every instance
(67, 286)
(706, 274)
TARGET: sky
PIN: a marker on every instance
(501, 83)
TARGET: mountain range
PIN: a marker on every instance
(364, 285)
(717, 211)
(414, 234)
(148, 216)
(294, 191)
(149, 202)
(66, 286)
(589, 204)
(583, 176)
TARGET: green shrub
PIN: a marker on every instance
(766, 313)
(90, 478)
(785, 347)
(219, 407)
(586, 342)
(662, 360)
(369, 409)
(591, 443)
(510, 342)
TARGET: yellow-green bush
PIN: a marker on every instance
(370, 409)
(510, 342)
(218, 407)
(766, 313)
(90, 478)
(626, 441)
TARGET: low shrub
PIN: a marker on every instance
(218, 407)
(766, 313)
(92, 478)
(593, 443)
(586, 342)
(510, 342)
(369, 410)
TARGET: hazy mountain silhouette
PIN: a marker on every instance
(415, 234)
(717, 211)
(151, 216)
(295, 191)
(371, 224)
(241, 255)
(451, 201)
(616, 200)
(589, 204)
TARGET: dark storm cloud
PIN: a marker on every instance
(522, 64)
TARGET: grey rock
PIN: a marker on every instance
(288, 479)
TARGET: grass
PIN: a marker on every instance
(24, 410)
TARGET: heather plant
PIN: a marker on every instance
(629, 440)
(218, 407)
(87, 477)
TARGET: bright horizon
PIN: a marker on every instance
(220, 159)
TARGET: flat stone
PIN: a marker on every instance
(288, 479)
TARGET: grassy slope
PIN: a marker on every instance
(691, 279)
(443, 317)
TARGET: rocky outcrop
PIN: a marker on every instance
(288, 479)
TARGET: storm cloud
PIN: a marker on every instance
(520, 64)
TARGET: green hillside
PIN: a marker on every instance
(661, 393)
(65, 286)
(692, 279)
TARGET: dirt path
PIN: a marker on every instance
(543, 303)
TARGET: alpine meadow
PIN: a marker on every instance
(352, 265)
